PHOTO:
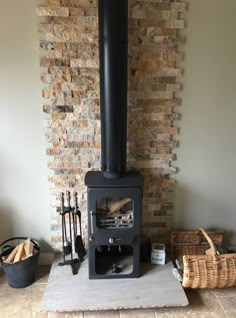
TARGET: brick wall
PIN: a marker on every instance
(69, 61)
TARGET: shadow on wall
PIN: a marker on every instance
(8, 227)
(6, 222)
(194, 208)
(45, 247)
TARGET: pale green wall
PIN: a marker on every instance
(205, 193)
(24, 208)
(206, 190)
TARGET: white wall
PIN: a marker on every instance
(24, 207)
(205, 194)
(206, 190)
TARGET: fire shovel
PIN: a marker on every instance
(78, 241)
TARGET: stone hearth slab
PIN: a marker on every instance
(157, 287)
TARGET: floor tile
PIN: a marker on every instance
(65, 315)
(202, 304)
(15, 302)
(39, 315)
(102, 314)
(229, 306)
(23, 314)
(139, 313)
(225, 292)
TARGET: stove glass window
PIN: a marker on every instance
(114, 213)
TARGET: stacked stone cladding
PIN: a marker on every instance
(70, 70)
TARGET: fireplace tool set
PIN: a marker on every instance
(71, 240)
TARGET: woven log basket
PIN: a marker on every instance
(209, 271)
(192, 243)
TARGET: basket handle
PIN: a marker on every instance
(209, 240)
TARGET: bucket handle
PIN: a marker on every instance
(19, 238)
(5, 247)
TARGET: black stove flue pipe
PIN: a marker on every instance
(113, 39)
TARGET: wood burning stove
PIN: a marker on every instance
(114, 224)
(114, 194)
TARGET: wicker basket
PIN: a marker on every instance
(192, 243)
(209, 271)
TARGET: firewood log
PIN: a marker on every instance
(11, 256)
(19, 253)
(115, 206)
(28, 247)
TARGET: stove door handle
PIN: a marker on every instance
(92, 213)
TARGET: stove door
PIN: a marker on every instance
(114, 215)
(114, 227)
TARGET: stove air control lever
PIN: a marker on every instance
(113, 240)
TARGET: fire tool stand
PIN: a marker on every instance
(73, 215)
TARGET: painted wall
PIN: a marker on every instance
(23, 182)
(205, 193)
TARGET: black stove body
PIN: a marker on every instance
(114, 194)
(114, 227)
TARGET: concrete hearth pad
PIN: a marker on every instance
(157, 287)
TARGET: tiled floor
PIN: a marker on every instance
(26, 303)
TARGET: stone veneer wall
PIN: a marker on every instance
(71, 73)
